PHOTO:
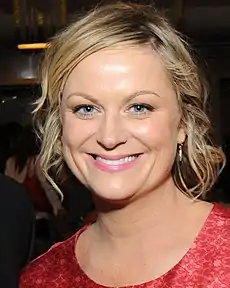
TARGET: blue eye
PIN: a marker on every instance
(140, 108)
(85, 111)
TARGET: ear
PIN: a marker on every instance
(181, 135)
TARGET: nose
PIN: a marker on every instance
(111, 132)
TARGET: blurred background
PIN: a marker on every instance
(206, 23)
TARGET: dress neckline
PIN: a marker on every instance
(159, 280)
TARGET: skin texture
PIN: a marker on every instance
(118, 102)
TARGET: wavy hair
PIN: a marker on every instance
(133, 25)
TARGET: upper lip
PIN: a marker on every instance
(114, 157)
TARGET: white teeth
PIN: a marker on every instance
(116, 162)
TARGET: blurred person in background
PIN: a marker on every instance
(17, 215)
(17, 222)
(23, 166)
(10, 133)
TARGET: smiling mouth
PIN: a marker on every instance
(115, 160)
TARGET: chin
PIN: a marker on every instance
(114, 195)
(115, 191)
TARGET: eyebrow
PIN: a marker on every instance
(129, 98)
(141, 92)
(84, 95)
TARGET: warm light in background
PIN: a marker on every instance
(31, 46)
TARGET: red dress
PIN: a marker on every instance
(205, 265)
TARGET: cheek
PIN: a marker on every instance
(157, 133)
(71, 131)
(76, 132)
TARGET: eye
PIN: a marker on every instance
(140, 109)
(85, 111)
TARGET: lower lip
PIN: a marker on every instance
(114, 168)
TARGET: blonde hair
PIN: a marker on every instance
(131, 24)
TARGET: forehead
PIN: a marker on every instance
(121, 70)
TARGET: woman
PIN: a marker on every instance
(123, 107)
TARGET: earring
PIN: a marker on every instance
(180, 152)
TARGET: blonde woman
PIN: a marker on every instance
(123, 106)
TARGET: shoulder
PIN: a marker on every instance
(57, 266)
(221, 213)
(218, 226)
(211, 251)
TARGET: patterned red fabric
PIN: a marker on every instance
(206, 264)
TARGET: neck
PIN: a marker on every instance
(147, 214)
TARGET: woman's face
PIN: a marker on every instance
(120, 120)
